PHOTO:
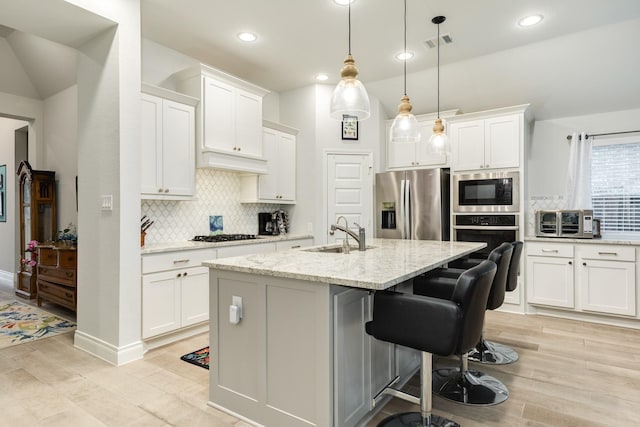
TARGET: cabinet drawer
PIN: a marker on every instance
(67, 258)
(48, 257)
(551, 250)
(173, 260)
(60, 292)
(67, 277)
(613, 253)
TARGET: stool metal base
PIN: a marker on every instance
(470, 387)
(492, 353)
(414, 419)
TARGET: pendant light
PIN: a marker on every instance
(439, 142)
(405, 127)
(350, 97)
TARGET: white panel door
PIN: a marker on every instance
(248, 123)
(268, 183)
(502, 142)
(151, 144)
(349, 192)
(287, 167)
(467, 145)
(219, 116)
(195, 296)
(608, 286)
(160, 303)
(178, 148)
(550, 281)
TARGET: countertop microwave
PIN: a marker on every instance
(576, 224)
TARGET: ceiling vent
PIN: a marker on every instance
(444, 39)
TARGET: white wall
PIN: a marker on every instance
(307, 109)
(548, 154)
(61, 150)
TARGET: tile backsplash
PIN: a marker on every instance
(218, 193)
(536, 203)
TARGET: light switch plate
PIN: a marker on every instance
(107, 202)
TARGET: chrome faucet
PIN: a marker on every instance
(360, 237)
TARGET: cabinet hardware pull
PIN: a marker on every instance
(68, 295)
(550, 250)
(185, 274)
(179, 275)
(296, 247)
(178, 261)
(570, 262)
(608, 253)
(69, 274)
(584, 263)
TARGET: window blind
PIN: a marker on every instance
(615, 180)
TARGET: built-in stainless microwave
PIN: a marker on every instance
(486, 192)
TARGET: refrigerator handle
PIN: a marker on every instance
(402, 210)
(407, 210)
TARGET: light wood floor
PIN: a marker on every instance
(569, 374)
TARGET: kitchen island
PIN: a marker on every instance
(287, 338)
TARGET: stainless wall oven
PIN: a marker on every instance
(491, 229)
(486, 192)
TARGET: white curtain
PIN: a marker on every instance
(578, 189)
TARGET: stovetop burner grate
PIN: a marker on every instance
(223, 237)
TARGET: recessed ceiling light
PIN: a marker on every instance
(529, 21)
(343, 2)
(247, 37)
(322, 77)
(404, 55)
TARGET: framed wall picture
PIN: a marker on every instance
(3, 193)
(349, 127)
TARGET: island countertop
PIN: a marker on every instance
(387, 263)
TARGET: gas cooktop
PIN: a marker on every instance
(223, 237)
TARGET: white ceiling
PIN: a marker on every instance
(582, 59)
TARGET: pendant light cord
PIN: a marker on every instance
(405, 48)
(349, 27)
(438, 70)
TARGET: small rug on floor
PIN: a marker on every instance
(20, 323)
(198, 357)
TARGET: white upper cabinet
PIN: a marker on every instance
(487, 140)
(403, 155)
(228, 120)
(278, 185)
(168, 145)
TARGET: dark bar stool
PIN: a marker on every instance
(461, 384)
(490, 352)
(432, 326)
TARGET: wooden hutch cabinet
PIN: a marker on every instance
(37, 221)
(57, 275)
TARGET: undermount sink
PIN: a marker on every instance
(335, 249)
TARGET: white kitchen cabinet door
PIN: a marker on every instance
(194, 296)
(352, 372)
(151, 144)
(286, 167)
(402, 155)
(550, 281)
(161, 308)
(248, 123)
(219, 116)
(607, 286)
(268, 183)
(168, 148)
(178, 149)
(502, 142)
(467, 145)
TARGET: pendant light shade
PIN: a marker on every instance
(439, 141)
(405, 127)
(350, 98)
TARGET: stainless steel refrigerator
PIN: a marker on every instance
(413, 204)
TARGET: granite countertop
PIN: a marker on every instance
(386, 264)
(605, 240)
(189, 245)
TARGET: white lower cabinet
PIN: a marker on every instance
(582, 277)
(175, 291)
(607, 277)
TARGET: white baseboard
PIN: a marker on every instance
(115, 355)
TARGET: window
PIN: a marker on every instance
(615, 180)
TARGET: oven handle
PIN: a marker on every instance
(486, 227)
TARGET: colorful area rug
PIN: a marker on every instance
(198, 357)
(20, 323)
